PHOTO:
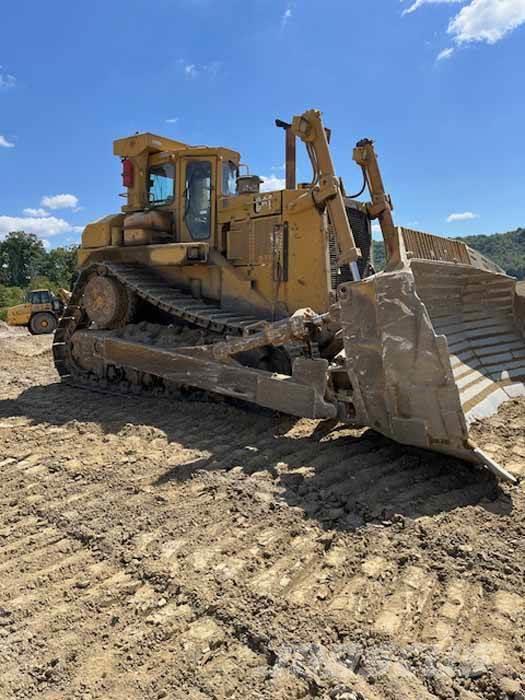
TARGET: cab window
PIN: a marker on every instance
(230, 173)
(39, 298)
(197, 196)
(161, 183)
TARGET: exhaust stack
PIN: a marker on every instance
(290, 154)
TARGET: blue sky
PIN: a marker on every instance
(439, 85)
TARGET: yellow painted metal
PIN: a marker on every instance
(103, 232)
(381, 205)
(165, 256)
(268, 251)
(19, 315)
(137, 144)
(420, 358)
(326, 190)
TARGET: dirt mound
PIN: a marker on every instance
(6, 330)
(197, 550)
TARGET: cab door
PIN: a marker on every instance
(198, 199)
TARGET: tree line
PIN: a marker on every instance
(26, 264)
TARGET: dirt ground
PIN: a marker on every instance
(199, 550)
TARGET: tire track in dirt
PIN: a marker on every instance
(214, 552)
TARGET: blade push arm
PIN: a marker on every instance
(327, 191)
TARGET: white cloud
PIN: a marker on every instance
(462, 216)
(286, 17)
(479, 20)
(35, 212)
(376, 229)
(4, 143)
(6, 80)
(47, 244)
(60, 201)
(487, 20)
(172, 120)
(194, 70)
(419, 3)
(212, 68)
(191, 70)
(446, 53)
(272, 183)
(41, 226)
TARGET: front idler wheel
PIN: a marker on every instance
(107, 302)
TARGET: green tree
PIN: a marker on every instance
(9, 296)
(42, 282)
(378, 255)
(22, 256)
(506, 249)
(59, 265)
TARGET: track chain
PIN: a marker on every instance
(181, 305)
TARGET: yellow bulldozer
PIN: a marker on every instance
(203, 281)
(40, 311)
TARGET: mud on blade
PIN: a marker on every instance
(434, 345)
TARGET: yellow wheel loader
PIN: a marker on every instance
(203, 281)
(40, 311)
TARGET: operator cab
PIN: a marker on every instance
(191, 208)
(172, 195)
(39, 296)
(172, 189)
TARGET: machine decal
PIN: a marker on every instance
(263, 203)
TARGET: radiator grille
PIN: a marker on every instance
(361, 228)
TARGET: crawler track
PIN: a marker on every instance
(179, 307)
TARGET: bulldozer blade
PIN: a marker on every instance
(433, 346)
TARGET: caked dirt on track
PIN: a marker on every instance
(198, 550)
